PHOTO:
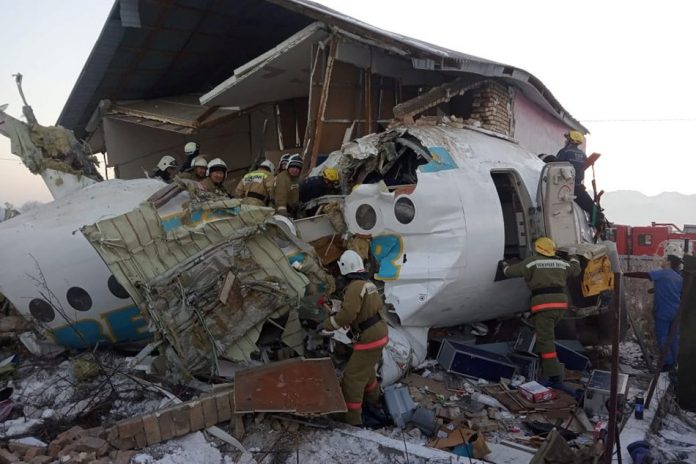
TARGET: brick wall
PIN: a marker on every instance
(492, 106)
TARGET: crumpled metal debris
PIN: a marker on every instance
(41, 147)
(207, 273)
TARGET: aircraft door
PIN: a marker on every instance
(555, 198)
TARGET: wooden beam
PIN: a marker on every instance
(323, 100)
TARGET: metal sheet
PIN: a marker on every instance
(299, 386)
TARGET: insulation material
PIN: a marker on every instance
(41, 148)
(205, 272)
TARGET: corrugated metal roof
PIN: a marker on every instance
(190, 46)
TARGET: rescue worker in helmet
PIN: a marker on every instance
(256, 187)
(166, 169)
(287, 191)
(573, 154)
(192, 150)
(198, 171)
(546, 276)
(360, 311)
(217, 171)
(318, 186)
(283, 163)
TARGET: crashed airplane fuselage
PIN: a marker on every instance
(441, 205)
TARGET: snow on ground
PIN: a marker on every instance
(675, 440)
(190, 449)
(324, 446)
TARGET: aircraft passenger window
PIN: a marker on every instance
(79, 299)
(404, 210)
(117, 289)
(366, 217)
(41, 310)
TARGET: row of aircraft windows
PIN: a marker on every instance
(77, 297)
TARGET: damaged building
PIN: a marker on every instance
(249, 80)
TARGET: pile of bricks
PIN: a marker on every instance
(101, 445)
(492, 106)
(173, 422)
(75, 445)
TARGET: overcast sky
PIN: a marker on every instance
(625, 69)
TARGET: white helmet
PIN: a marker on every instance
(191, 148)
(166, 162)
(674, 249)
(268, 164)
(350, 262)
(284, 161)
(295, 161)
(199, 161)
(217, 163)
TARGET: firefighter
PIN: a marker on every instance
(198, 171)
(287, 191)
(361, 311)
(573, 154)
(166, 169)
(546, 276)
(283, 164)
(318, 186)
(192, 150)
(217, 171)
(256, 187)
(668, 286)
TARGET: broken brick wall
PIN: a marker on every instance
(492, 106)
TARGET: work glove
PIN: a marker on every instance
(320, 331)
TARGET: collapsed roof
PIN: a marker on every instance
(156, 49)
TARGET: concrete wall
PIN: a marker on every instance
(637, 300)
(134, 148)
(535, 129)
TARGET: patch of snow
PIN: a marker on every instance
(189, 449)
(19, 426)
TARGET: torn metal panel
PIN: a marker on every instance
(279, 74)
(182, 114)
(299, 386)
(206, 272)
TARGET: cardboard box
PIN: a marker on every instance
(535, 392)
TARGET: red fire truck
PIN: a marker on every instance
(651, 240)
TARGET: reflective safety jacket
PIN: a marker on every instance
(546, 278)
(361, 302)
(256, 188)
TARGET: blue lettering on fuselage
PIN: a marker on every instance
(124, 324)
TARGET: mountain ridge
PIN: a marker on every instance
(634, 208)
